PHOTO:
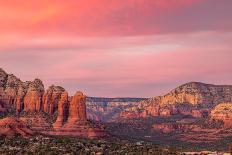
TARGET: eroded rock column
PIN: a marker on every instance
(77, 108)
(62, 110)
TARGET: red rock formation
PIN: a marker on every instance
(200, 113)
(12, 85)
(11, 126)
(37, 121)
(8, 89)
(32, 101)
(223, 112)
(194, 98)
(77, 124)
(86, 130)
(62, 110)
(77, 109)
(3, 78)
(19, 104)
(13, 93)
(165, 112)
(33, 98)
(198, 93)
(51, 98)
(29, 96)
(13, 89)
(6, 101)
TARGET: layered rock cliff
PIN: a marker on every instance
(199, 93)
(223, 112)
(51, 98)
(33, 97)
(63, 111)
(77, 109)
(75, 123)
(37, 108)
(10, 88)
(28, 96)
(14, 93)
(194, 98)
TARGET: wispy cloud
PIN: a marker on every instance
(120, 65)
(117, 47)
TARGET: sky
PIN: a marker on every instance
(117, 48)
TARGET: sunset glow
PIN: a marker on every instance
(117, 48)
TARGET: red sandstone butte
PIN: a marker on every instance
(62, 110)
(77, 123)
(77, 109)
(51, 98)
(32, 101)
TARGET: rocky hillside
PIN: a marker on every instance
(108, 109)
(194, 98)
(28, 102)
(11, 126)
(223, 112)
(27, 96)
(13, 92)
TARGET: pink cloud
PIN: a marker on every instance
(117, 47)
(124, 66)
(85, 17)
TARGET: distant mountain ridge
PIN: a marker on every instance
(116, 99)
(195, 98)
(108, 109)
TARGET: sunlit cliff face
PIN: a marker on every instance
(117, 48)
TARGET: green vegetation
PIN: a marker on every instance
(66, 145)
(208, 123)
(9, 112)
(142, 129)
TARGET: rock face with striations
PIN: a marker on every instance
(77, 123)
(3, 78)
(8, 89)
(62, 110)
(51, 98)
(223, 112)
(194, 98)
(22, 96)
(33, 98)
(199, 93)
(12, 91)
(77, 109)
